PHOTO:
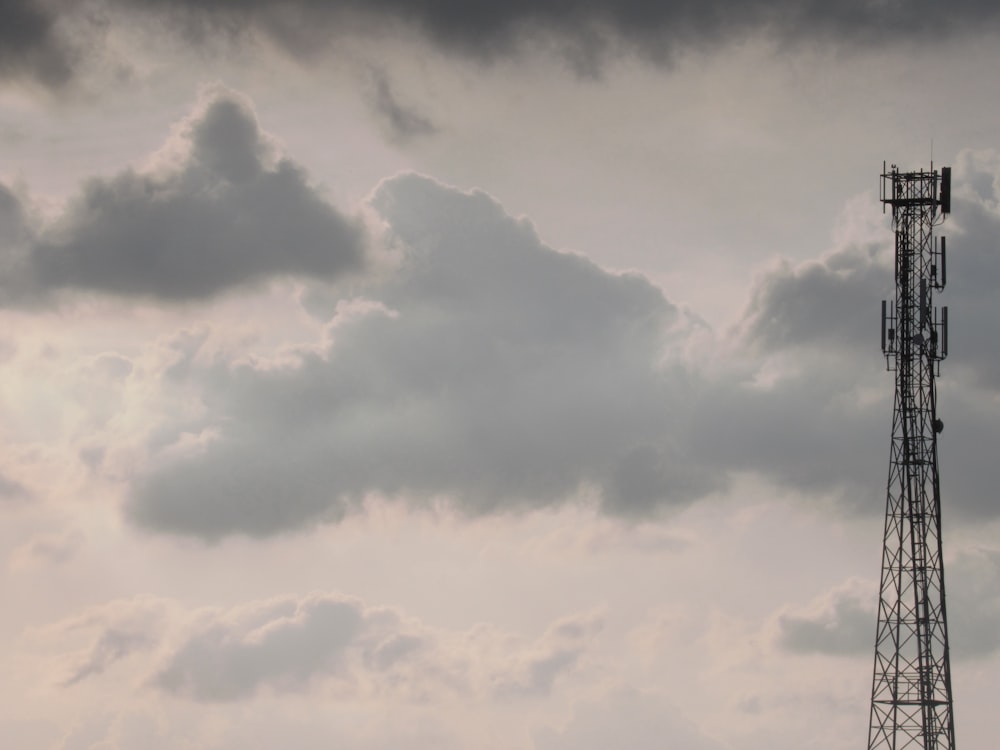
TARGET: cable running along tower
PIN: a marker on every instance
(911, 689)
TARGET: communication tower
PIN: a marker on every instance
(911, 689)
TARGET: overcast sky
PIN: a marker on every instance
(469, 375)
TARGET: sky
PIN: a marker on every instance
(409, 374)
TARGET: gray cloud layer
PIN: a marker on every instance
(221, 210)
(483, 26)
(29, 43)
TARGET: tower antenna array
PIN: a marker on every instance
(911, 688)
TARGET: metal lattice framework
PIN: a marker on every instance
(911, 689)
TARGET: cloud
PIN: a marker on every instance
(219, 208)
(288, 644)
(841, 622)
(113, 632)
(819, 320)
(973, 275)
(403, 123)
(820, 303)
(283, 643)
(488, 369)
(112, 646)
(17, 235)
(486, 29)
(292, 644)
(31, 45)
(558, 652)
(833, 302)
(493, 372)
(49, 41)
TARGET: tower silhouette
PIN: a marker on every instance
(911, 689)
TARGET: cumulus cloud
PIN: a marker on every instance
(821, 303)
(288, 644)
(488, 369)
(485, 368)
(283, 643)
(292, 644)
(494, 372)
(534, 671)
(841, 622)
(219, 208)
(820, 319)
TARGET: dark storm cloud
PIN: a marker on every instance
(489, 369)
(220, 211)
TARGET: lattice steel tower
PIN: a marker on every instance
(911, 689)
